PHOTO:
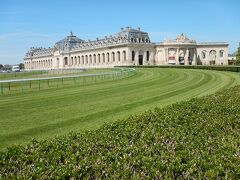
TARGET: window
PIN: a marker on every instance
(90, 59)
(204, 53)
(212, 55)
(75, 59)
(107, 57)
(65, 61)
(124, 55)
(147, 55)
(94, 58)
(221, 53)
(82, 59)
(113, 56)
(103, 57)
(98, 58)
(86, 59)
(118, 56)
(133, 55)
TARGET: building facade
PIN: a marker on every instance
(126, 48)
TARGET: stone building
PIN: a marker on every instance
(128, 47)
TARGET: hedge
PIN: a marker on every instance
(193, 139)
(218, 68)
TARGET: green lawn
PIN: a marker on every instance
(52, 112)
(49, 73)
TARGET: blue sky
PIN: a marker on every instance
(27, 23)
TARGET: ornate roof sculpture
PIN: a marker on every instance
(180, 39)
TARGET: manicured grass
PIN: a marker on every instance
(49, 73)
(52, 112)
(63, 80)
(196, 139)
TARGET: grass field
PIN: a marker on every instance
(52, 112)
(69, 79)
(49, 73)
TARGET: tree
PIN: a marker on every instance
(238, 56)
(21, 66)
(1, 66)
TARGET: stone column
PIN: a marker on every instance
(136, 58)
(217, 61)
(129, 57)
(186, 57)
(151, 58)
(177, 57)
(194, 61)
(166, 55)
(144, 58)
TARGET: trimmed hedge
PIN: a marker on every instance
(192, 139)
(218, 68)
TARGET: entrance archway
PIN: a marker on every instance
(140, 59)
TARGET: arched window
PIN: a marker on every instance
(118, 56)
(131, 39)
(79, 60)
(107, 57)
(113, 57)
(103, 57)
(75, 59)
(148, 55)
(98, 58)
(124, 56)
(82, 59)
(212, 54)
(204, 54)
(146, 40)
(133, 55)
(221, 52)
(71, 61)
(90, 59)
(94, 58)
(65, 61)
(86, 59)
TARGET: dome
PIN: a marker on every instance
(68, 42)
(133, 34)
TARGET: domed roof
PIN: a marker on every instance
(68, 42)
(129, 33)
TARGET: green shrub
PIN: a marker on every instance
(197, 138)
(217, 68)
